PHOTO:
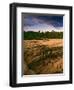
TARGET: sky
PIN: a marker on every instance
(42, 23)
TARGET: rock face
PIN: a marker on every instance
(43, 56)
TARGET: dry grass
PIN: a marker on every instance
(48, 42)
(43, 56)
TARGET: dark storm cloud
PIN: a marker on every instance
(56, 21)
(42, 22)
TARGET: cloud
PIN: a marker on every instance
(37, 23)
